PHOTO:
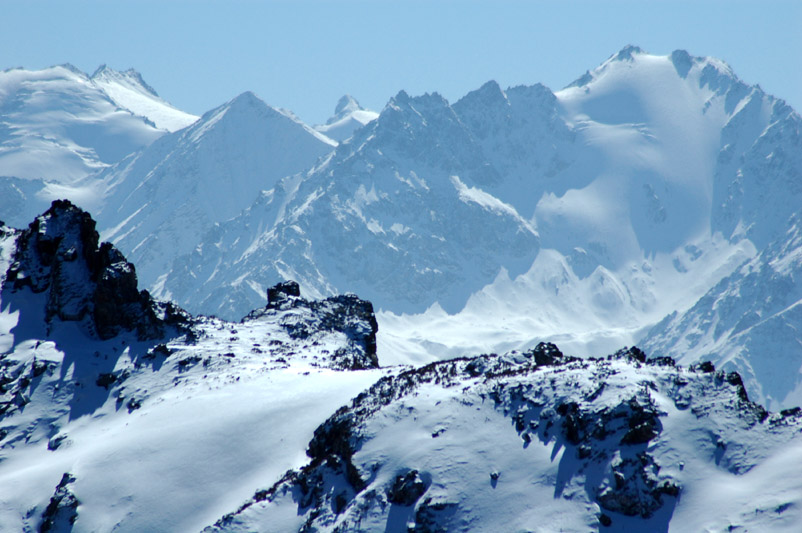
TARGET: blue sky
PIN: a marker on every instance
(303, 55)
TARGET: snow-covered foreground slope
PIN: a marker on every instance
(118, 413)
(59, 124)
(163, 199)
(535, 441)
(749, 322)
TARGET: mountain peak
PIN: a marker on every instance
(345, 105)
(627, 53)
(100, 70)
(348, 117)
(488, 93)
(130, 78)
(58, 255)
(248, 98)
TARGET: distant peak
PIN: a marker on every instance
(248, 99)
(102, 69)
(347, 104)
(401, 97)
(627, 53)
(682, 61)
(490, 88)
(72, 68)
(129, 77)
(488, 94)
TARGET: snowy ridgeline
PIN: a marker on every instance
(583, 216)
(60, 124)
(105, 391)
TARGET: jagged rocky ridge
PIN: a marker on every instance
(526, 440)
(58, 259)
(615, 443)
(78, 338)
(59, 273)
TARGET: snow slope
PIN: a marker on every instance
(622, 176)
(535, 441)
(162, 199)
(59, 124)
(129, 91)
(181, 423)
(750, 322)
(102, 433)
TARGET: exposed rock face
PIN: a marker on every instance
(344, 313)
(604, 416)
(62, 511)
(58, 256)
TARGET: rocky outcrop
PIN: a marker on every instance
(602, 415)
(309, 319)
(62, 511)
(58, 256)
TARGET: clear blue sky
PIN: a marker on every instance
(303, 54)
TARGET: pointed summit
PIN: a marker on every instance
(627, 53)
(348, 117)
(129, 90)
(130, 77)
(347, 104)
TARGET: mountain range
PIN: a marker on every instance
(122, 413)
(654, 201)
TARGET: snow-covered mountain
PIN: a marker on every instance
(59, 124)
(160, 201)
(619, 180)
(129, 91)
(750, 322)
(583, 217)
(536, 441)
(103, 391)
(348, 117)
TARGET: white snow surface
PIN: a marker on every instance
(748, 322)
(60, 125)
(193, 430)
(492, 454)
(129, 91)
(215, 419)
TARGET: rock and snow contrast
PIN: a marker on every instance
(537, 441)
(654, 201)
(583, 216)
(105, 390)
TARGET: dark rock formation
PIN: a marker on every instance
(305, 319)
(58, 256)
(407, 488)
(62, 511)
(282, 293)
